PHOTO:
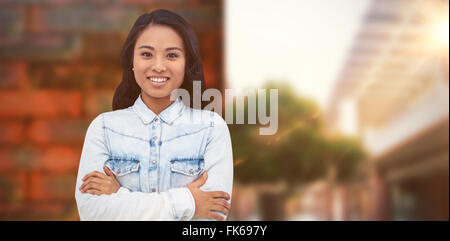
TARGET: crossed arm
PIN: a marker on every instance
(100, 197)
(206, 203)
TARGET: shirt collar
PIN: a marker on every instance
(168, 115)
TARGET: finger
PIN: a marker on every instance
(92, 186)
(216, 216)
(89, 175)
(220, 194)
(94, 174)
(201, 180)
(94, 192)
(108, 172)
(82, 187)
(85, 188)
(95, 179)
(219, 208)
(222, 203)
(92, 180)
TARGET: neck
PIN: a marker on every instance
(157, 105)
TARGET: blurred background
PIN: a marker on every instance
(363, 101)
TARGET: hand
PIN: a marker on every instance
(208, 202)
(98, 183)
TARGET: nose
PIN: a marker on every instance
(158, 66)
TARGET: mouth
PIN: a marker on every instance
(158, 79)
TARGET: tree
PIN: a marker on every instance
(298, 153)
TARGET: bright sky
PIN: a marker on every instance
(304, 42)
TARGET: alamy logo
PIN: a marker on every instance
(256, 109)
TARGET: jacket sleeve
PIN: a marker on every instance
(219, 159)
(174, 204)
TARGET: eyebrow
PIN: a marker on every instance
(167, 49)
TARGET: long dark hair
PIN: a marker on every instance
(128, 90)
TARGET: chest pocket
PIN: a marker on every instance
(126, 172)
(185, 170)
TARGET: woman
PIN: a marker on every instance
(153, 158)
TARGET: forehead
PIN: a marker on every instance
(159, 36)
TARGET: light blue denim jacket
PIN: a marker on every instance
(154, 157)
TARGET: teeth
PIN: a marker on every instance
(157, 79)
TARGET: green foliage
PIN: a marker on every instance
(345, 154)
(299, 152)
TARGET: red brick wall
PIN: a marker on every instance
(59, 66)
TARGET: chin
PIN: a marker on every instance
(157, 94)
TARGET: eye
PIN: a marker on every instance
(146, 54)
(172, 55)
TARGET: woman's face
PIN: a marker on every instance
(159, 61)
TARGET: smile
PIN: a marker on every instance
(158, 79)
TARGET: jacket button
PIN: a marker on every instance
(153, 189)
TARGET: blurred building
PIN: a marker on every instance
(393, 92)
(59, 67)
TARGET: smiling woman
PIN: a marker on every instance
(166, 38)
(148, 159)
(159, 63)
